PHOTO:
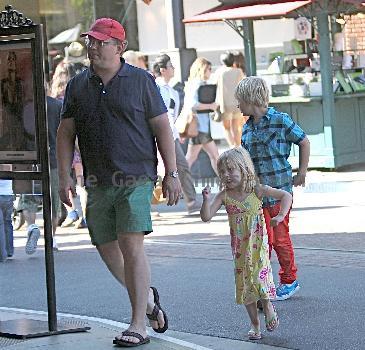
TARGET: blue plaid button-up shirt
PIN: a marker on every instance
(269, 143)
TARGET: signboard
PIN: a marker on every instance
(303, 29)
(23, 132)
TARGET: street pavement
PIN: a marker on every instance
(192, 268)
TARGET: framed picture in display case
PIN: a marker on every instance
(18, 139)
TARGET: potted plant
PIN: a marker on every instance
(299, 88)
(315, 87)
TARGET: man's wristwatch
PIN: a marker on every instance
(173, 174)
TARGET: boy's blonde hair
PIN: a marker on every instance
(197, 69)
(238, 158)
(253, 91)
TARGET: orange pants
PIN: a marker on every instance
(279, 239)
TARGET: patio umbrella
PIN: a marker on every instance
(67, 36)
(239, 9)
(257, 2)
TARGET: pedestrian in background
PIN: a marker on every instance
(164, 72)
(6, 225)
(64, 72)
(200, 72)
(227, 79)
(268, 136)
(242, 198)
(131, 58)
(118, 115)
(142, 60)
(239, 61)
(29, 203)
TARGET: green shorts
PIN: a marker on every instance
(111, 210)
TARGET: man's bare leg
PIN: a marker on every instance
(111, 253)
(137, 279)
(113, 259)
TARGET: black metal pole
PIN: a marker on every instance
(47, 209)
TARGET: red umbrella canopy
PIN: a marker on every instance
(260, 2)
(230, 9)
(333, 6)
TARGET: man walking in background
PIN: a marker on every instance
(164, 72)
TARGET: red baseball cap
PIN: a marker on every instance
(106, 28)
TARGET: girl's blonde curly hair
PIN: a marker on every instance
(240, 159)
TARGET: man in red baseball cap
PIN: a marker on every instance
(118, 115)
(105, 29)
(105, 43)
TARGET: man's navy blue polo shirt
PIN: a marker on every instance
(112, 124)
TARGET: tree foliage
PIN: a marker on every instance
(85, 8)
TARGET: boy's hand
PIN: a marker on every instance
(276, 220)
(206, 192)
(299, 180)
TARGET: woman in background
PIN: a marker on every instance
(228, 78)
(200, 72)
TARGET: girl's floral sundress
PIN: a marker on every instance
(250, 250)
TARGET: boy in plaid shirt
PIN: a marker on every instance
(268, 136)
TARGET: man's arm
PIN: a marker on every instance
(66, 135)
(304, 152)
(161, 129)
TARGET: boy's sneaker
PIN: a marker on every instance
(285, 291)
(32, 241)
(72, 216)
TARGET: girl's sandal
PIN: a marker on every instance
(273, 322)
(254, 334)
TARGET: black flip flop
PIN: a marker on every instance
(155, 311)
(129, 344)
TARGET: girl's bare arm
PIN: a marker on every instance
(209, 208)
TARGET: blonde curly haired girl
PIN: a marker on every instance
(241, 195)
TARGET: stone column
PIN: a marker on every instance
(249, 44)
(175, 28)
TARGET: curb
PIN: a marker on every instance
(107, 322)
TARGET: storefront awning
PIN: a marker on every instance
(232, 12)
